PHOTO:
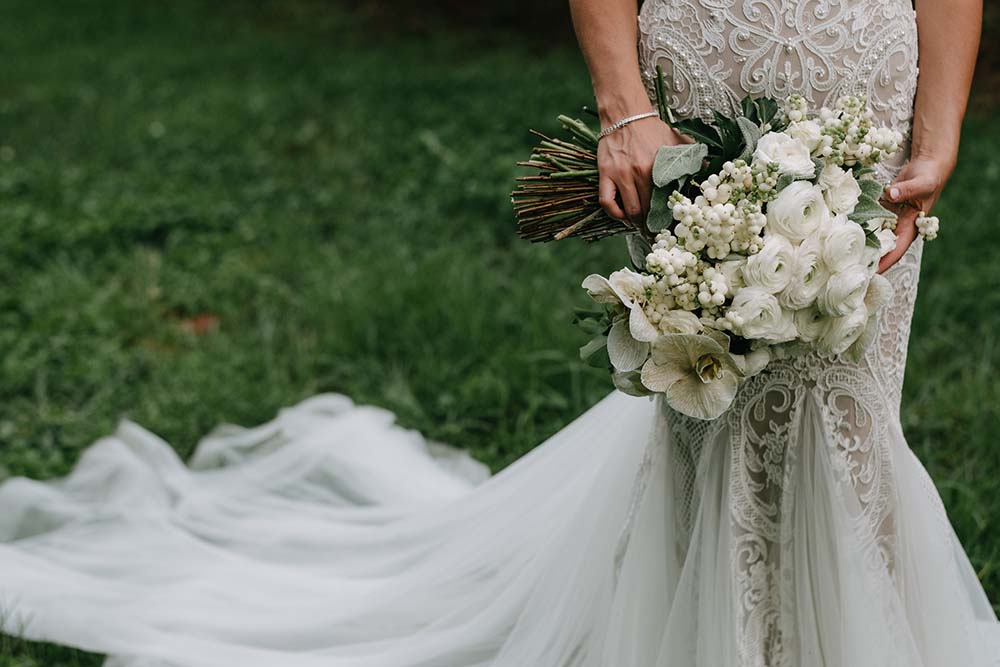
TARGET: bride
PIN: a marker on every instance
(797, 530)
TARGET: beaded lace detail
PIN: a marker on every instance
(713, 52)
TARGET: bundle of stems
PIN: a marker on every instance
(560, 200)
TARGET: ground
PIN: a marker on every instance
(212, 210)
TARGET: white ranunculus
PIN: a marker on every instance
(840, 189)
(754, 361)
(845, 290)
(879, 294)
(797, 212)
(772, 267)
(806, 131)
(843, 244)
(886, 240)
(811, 323)
(696, 375)
(843, 331)
(791, 155)
(758, 315)
(732, 269)
(809, 275)
(680, 322)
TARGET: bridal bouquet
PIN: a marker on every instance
(762, 241)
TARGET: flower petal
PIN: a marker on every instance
(702, 400)
(640, 327)
(600, 289)
(624, 351)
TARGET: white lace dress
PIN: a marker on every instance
(798, 530)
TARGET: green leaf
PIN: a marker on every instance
(660, 214)
(749, 108)
(638, 247)
(698, 130)
(871, 240)
(732, 137)
(767, 109)
(672, 162)
(751, 135)
(784, 181)
(871, 188)
(593, 346)
(869, 209)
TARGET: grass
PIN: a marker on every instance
(209, 211)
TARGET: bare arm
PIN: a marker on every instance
(949, 41)
(608, 34)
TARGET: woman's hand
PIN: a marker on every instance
(625, 164)
(917, 188)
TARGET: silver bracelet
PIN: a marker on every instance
(623, 122)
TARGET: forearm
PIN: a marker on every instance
(608, 34)
(949, 41)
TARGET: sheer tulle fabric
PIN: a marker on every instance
(332, 537)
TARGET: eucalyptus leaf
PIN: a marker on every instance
(751, 135)
(672, 162)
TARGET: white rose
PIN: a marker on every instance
(841, 332)
(798, 211)
(840, 189)
(844, 291)
(772, 267)
(806, 131)
(791, 155)
(843, 244)
(757, 314)
(809, 275)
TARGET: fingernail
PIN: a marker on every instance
(894, 193)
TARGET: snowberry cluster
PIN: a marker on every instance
(849, 136)
(728, 215)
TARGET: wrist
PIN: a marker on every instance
(613, 107)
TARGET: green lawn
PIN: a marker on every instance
(329, 204)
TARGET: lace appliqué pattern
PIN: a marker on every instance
(714, 52)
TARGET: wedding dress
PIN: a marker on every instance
(797, 530)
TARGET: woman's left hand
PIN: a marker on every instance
(917, 188)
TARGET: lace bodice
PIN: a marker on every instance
(713, 52)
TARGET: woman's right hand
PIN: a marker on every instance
(625, 166)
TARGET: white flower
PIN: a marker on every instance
(628, 288)
(772, 267)
(809, 275)
(843, 331)
(840, 189)
(811, 323)
(798, 211)
(845, 290)
(696, 375)
(753, 362)
(879, 293)
(791, 155)
(625, 352)
(807, 131)
(843, 244)
(756, 313)
(680, 321)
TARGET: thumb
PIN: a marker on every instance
(909, 189)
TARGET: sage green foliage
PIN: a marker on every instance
(339, 201)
